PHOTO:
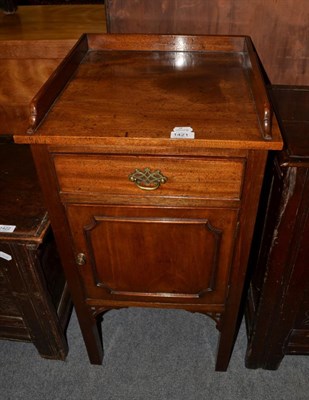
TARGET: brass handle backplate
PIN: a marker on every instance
(147, 179)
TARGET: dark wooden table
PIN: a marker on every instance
(278, 306)
(144, 215)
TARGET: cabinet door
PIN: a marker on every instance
(147, 253)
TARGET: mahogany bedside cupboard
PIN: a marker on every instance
(34, 300)
(278, 302)
(151, 151)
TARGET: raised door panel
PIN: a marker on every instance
(149, 253)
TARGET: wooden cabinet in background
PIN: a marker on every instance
(143, 218)
(278, 304)
(34, 301)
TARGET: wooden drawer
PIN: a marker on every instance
(186, 178)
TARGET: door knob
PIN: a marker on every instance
(80, 259)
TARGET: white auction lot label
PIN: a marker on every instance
(5, 256)
(7, 228)
(182, 132)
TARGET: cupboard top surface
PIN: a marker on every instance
(142, 91)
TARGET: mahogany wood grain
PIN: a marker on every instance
(157, 77)
(55, 84)
(32, 43)
(87, 321)
(20, 78)
(35, 49)
(279, 29)
(118, 108)
(166, 43)
(52, 22)
(187, 178)
(190, 263)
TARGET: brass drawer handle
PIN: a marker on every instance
(147, 179)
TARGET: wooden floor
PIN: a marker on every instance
(52, 22)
